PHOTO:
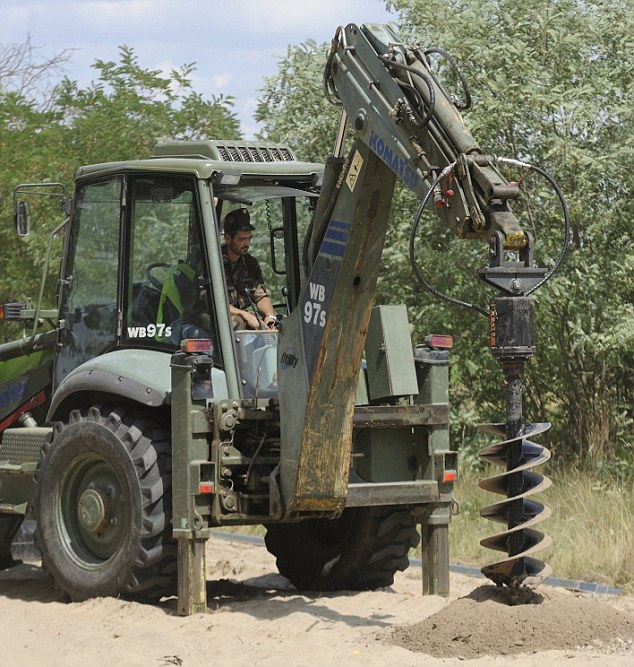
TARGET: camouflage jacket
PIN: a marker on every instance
(241, 274)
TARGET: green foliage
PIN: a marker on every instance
(128, 109)
(120, 116)
(552, 84)
(293, 109)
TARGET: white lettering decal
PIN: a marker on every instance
(313, 314)
(151, 331)
(317, 291)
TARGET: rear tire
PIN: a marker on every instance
(104, 506)
(361, 550)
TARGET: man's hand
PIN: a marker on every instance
(244, 319)
(250, 320)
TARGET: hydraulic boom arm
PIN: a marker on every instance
(399, 109)
(405, 126)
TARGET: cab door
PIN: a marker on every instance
(90, 292)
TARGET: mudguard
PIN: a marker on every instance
(142, 376)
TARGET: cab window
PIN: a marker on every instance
(168, 296)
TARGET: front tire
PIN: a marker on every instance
(361, 550)
(104, 506)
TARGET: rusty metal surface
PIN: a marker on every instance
(317, 392)
(388, 416)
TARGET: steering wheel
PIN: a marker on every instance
(153, 279)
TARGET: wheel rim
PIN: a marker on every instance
(91, 511)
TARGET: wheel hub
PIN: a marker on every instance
(94, 510)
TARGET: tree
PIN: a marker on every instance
(24, 72)
(293, 109)
(119, 116)
(129, 108)
(552, 85)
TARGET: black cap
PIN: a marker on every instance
(238, 221)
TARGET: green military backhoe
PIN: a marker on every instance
(127, 443)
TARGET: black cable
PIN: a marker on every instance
(420, 101)
(564, 207)
(421, 208)
(330, 92)
(412, 259)
(463, 80)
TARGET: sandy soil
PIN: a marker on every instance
(255, 617)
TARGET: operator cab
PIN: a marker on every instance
(143, 265)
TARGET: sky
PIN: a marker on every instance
(234, 43)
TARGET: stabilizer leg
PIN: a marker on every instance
(435, 559)
(192, 583)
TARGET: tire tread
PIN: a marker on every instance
(152, 572)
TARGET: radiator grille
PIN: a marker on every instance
(250, 153)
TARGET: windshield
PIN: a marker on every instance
(256, 354)
(263, 274)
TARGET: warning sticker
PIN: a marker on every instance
(354, 171)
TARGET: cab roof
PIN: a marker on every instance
(215, 158)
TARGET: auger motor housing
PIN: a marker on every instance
(512, 327)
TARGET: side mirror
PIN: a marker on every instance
(22, 218)
(21, 211)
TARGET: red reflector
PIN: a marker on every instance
(206, 487)
(202, 345)
(1, 312)
(439, 341)
(449, 476)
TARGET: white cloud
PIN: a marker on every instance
(221, 80)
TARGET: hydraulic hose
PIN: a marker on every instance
(463, 106)
(412, 259)
(428, 82)
(564, 207)
(417, 218)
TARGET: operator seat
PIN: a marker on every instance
(177, 294)
(182, 306)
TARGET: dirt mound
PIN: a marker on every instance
(484, 623)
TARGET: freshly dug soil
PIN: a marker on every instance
(484, 623)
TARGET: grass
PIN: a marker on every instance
(592, 526)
